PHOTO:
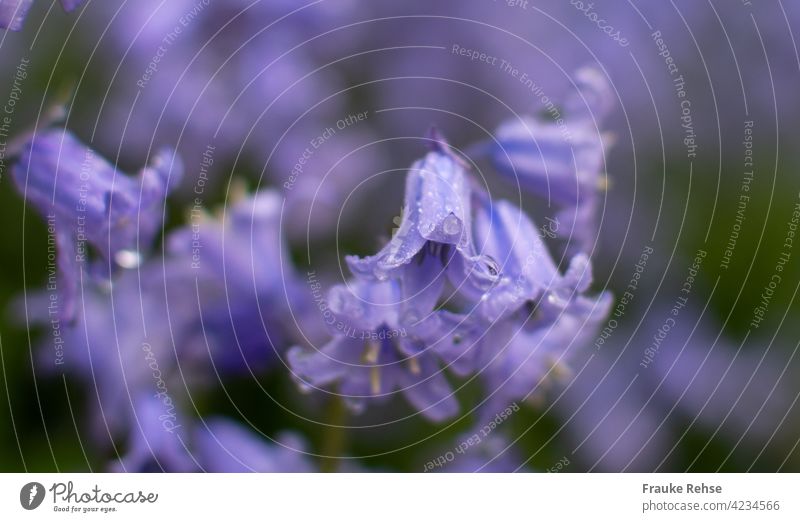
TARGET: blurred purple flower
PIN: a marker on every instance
(560, 156)
(239, 76)
(13, 12)
(249, 295)
(216, 445)
(151, 447)
(223, 446)
(87, 202)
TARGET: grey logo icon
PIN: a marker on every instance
(31, 495)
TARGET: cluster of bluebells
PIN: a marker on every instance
(467, 286)
(146, 332)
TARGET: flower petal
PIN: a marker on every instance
(429, 392)
(437, 208)
(223, 446)
(13, 12)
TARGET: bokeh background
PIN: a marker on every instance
(258, 80)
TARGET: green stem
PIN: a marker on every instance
(334, 437)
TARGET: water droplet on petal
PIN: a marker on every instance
(556, 300)
(426, 228)
(451, 225)
(128, 258)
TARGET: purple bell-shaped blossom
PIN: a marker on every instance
(248, 290)
(90, 206)
(371, 355)
(561, 160)
(520, 332)
(436, 212)
(527, 272)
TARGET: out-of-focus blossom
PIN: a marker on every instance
(223, 446)
(13, 12)
(132, 338)
(151, 446)
(248, 292)
(214, 445)
(239, 77)
(561, 159)
(89, 204)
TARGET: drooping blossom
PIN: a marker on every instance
(91, 206)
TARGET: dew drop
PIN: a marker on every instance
(451, 225)
(556, 300)
(426, 228)
(128, 258)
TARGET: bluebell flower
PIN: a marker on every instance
(436, 222)
(248, 290)
(13, 12)
(561, 160)
(214, 445)
(89, 204)
(527, 273)
(224, 446)
(449, 230)
(150, 447)
(519, 333)
(522, 357)
(432, 245)
(135, 337)
(371, 355)
(238, 78)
